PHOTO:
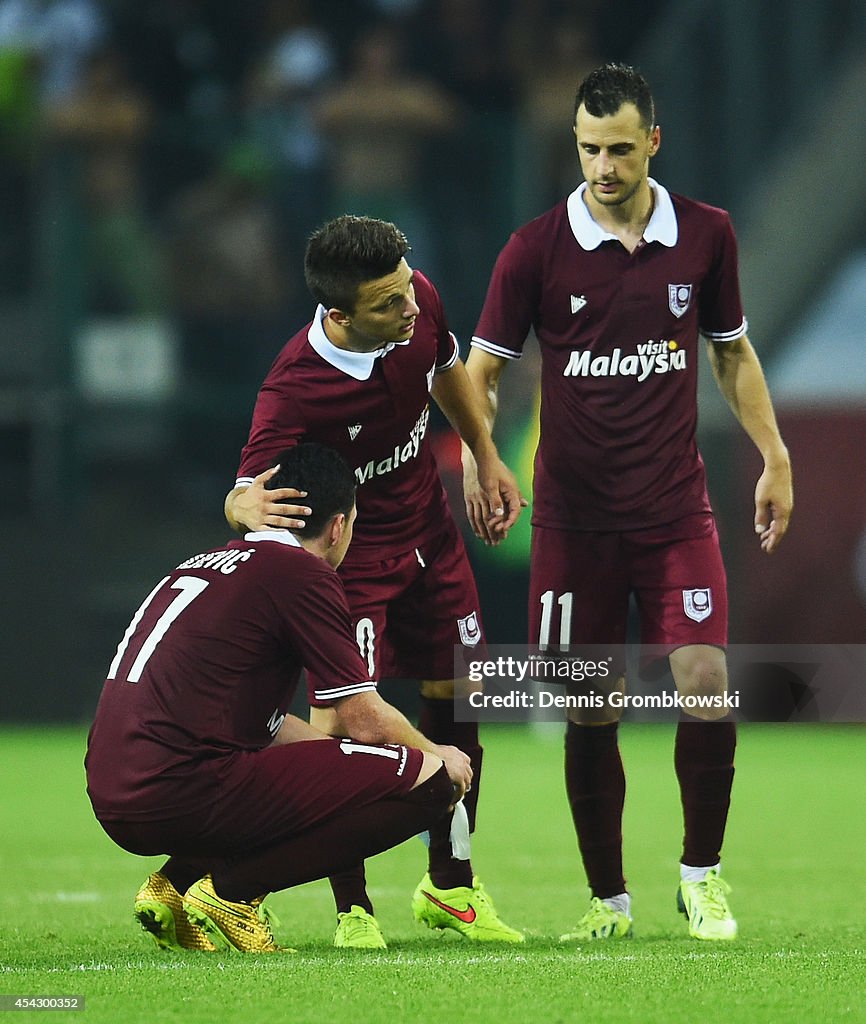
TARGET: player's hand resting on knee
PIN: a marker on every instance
(459, 768)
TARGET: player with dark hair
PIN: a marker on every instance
(359, 378)
(618, 282)
(193, 751)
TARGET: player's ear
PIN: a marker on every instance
(336, 529)
(655, 140)
(339, 317)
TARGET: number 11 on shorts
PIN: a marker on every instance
(565, 601)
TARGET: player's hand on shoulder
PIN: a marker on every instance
(257, 508)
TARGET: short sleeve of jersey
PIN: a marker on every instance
(320, 627)
(720, 314)
(428, 298)
(277, 424)
(513, 296)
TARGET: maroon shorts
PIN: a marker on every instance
(409, 612)
(581, 581)
(262, 797)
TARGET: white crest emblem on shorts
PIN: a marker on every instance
(578, 302)
(470, 631)
(679, 297)
(698, 604)
(354, 430)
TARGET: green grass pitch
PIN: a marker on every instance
(795, 855)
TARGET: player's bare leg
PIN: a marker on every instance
(704, 762)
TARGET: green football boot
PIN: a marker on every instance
(357, 929)
(705, 904)
(600, 922)
(469, 912)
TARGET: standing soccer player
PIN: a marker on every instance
(359, 378)
(618, 281)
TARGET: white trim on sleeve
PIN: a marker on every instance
(740, 332)
(455, 355)
(336, 692)
(493, 349)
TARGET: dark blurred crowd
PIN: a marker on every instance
(189, 147)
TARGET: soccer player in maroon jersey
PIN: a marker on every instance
(618, 282)
(193, 751)
(359, 378)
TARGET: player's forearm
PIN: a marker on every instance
(742, 383)
(484, 378)
(294, 730)
(369, 719)
(458, 399)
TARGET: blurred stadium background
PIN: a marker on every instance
(161, 164)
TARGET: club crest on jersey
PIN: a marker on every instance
(679, 297)
(578, 302)
(470, 631)
(354, 430)
(698, 604)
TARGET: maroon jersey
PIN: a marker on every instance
(371, 407)
(619, 335)
(208, 666)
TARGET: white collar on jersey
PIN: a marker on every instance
(281, 536)
(356, 364)
(662, 225)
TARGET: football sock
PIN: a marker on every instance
(704, 762)
(622, 903)
(350, 888)
(595, 784)
(337, 844)
(182, 873)
(690, 874)
(436, 722)
(448, 871)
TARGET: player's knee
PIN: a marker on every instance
(703, 686)
(429, 766)
(433, 788)
(700, 671)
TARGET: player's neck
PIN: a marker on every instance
(628, 220)
(348, 339)
(317, 546)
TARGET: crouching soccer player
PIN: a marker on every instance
(193, 752)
